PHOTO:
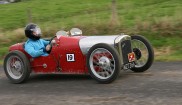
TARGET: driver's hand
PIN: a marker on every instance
(48, 47)
(53, 42)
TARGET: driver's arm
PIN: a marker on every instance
(45, 42)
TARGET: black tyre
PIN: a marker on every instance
(144, 53)
(103, 63)
(17, 67)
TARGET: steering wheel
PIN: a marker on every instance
(50, 44)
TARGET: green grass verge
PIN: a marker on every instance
(158, 20)
(1, 62)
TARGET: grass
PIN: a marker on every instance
(158, 20)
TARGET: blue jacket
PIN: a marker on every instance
(36, 48)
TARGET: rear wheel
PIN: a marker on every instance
(17, 67)
(103, 63)
(144, 53)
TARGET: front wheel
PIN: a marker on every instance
(17, 67)
(103, 63)
(144, 53)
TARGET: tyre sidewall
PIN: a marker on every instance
(26, 66)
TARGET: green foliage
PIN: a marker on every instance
(3, 52)
(159, 20)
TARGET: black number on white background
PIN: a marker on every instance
(70, 57)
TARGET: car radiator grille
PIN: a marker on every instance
(126, 49)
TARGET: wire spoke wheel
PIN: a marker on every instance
(17, 67)
(103, 63)
(140, 47)
(103, 68)
(143, 52)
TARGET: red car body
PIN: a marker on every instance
(102, 57)
(57, 60)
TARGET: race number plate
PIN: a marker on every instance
(131, 57)
(129, 65)
(70, 57)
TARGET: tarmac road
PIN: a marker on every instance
(160, 85)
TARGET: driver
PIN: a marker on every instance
(34, 45)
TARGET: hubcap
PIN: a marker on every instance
(104, 62)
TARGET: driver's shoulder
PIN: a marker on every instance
(30, 42)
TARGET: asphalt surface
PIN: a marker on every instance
(160, 85)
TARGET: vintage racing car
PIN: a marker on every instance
(102, 57)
